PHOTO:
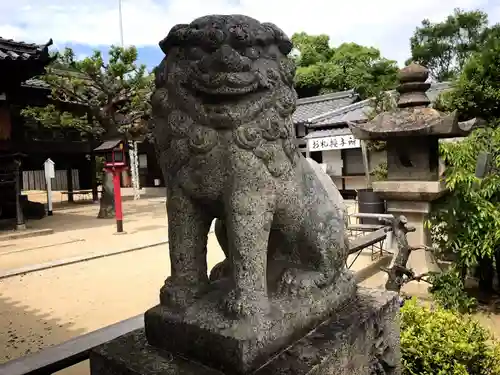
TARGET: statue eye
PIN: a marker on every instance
(273, 52)
(253, 52)
(194, 53)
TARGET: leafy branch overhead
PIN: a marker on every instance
(322, 69)
(477, 89)
(444, 47)
(113, 95)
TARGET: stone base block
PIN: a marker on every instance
(360, 339)
(204, 333)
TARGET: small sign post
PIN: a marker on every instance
(50, 173)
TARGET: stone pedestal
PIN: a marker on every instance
(361, 338)
(413, 199)
(206, 334)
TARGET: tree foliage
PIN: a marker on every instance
(444, 47)
(107, 99)
(477, 89)
(113, 94)
(465, 222)
(323, 69)
(448, 290)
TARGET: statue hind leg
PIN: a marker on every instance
(222, 269)
(324, 254)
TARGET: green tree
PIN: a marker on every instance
(444, 47)
(465, 223)
(322, 69)
(115, 94)
(477, 89)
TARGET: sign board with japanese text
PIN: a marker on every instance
(49, 169)
(337, 142)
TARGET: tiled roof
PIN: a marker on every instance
(15, 51)
(328, 133)
(308, 108)
(36, 83)
(358, 112)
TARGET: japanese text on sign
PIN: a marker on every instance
(333, 143)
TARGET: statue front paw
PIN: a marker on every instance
(299, 283)
(244, 304)
(180, 294)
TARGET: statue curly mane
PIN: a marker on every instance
(220, 75)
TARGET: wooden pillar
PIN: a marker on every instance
(69, 177)
(20, 224)
(342, 156)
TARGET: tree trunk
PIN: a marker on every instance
(107, 201)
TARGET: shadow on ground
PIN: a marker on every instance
(29, 330)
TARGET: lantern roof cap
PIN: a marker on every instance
(413, 116)
(108, 145)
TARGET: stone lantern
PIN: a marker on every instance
(412, 132)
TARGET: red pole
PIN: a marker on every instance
(118, 200)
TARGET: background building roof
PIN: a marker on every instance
(328, 133)
(359, 112)
(12, 50)
(308, 108)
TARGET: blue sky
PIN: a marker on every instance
(90, 24)
(149, 55)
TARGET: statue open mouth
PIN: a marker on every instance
(215, 87)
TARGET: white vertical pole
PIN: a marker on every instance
(132, 145)
(49, 171)
(49, 195)
(136, 167)
(120, 21)
(132, 150)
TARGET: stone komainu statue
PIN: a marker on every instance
(225, 140)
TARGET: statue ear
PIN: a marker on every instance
(159, 72)
(174, 37)
(284, 43)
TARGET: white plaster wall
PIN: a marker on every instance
(333, 160)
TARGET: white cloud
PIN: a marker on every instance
(386, 24)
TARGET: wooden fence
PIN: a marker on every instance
(35, 180)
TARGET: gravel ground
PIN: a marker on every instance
(48, 307)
